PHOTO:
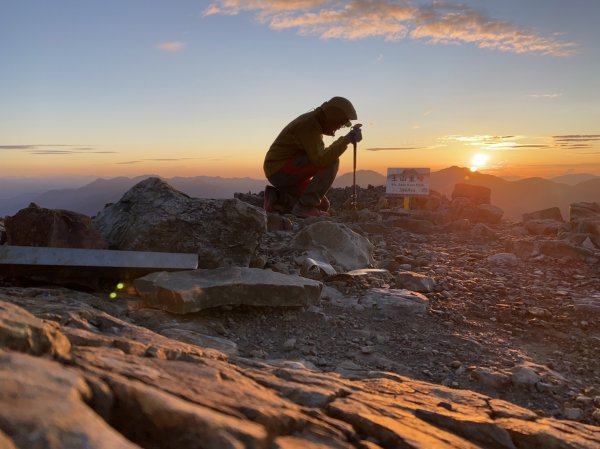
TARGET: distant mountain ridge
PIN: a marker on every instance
(514, 197)
(91, 198)
(574, 178)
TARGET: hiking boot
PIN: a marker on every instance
(270, 201)
(324, 205)
(302, 211)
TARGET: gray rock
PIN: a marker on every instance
(192, 291)
(559, 249)
(523, 248)
(401, 301)
(316, 269)
(507, 259)
(524, 376)
(488, 213)
(552, 213)
(573, 413)
(583, 210)
(476, 194)
(335, 243)
(545, 226)
(490, 378)
(153, 216)
(415, 281)
(482, 232)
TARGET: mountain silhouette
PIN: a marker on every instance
(91, 198)
(574, 178)
(514, 197)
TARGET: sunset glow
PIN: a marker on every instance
(131, 88)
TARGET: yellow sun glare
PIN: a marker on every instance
(479, 160)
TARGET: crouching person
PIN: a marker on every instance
(299, 166)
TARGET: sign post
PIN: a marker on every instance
(407, 182)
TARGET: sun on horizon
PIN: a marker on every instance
(478, 161)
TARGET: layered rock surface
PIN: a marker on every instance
(132, 394)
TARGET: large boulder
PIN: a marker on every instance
(552, 213)
(580, 211)
(585, 219)
(153, 216)
(38, 226)
(477, 194)
(192, 291)
(545, 226)
(465, 208)
(335, 243)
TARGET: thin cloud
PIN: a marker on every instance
(53, 152)
(395, 149)
(171, 46)
(127, 162)
(544, 95)
(496, 143)
(55, 149)
(172, 159)
(394, 20)
(17, 147)
(577, 137)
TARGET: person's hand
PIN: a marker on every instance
(355, 135)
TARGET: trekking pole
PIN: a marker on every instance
(354, 197)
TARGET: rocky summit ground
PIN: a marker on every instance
(502, 357)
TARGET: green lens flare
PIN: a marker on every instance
(113, 295)
(120, 286)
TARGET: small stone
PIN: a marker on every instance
(367, 349)
(257, 354)
(289, 344)
(524, 376)
(489, 378)
(573, 413)
(596, 415)
(455, 364)
(381, 339)
(543, 387)
(539, 312)
(584, 400)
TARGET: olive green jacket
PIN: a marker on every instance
(303, 135)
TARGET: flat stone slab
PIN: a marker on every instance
(90, 268)
(32, 255)
(395, 300)
(191, 291)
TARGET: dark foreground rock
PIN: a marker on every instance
(38, 226)
(113, 396)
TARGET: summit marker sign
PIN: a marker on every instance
(407, 181)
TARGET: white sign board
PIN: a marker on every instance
(407, 181)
